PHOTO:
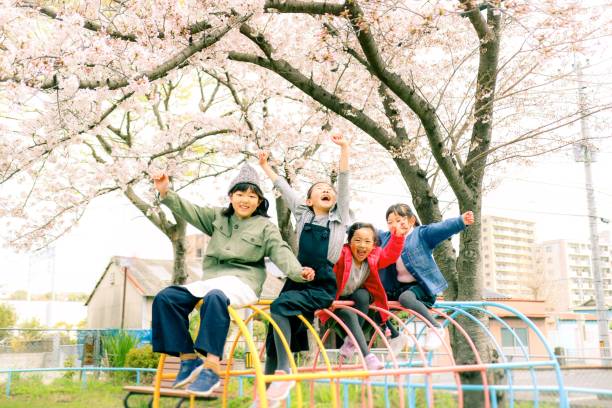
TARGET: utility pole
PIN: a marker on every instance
(584, 152)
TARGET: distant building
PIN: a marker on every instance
(123, 296)
(566, 269)
(508, 261)
(196, 246)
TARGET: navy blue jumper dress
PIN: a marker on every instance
(305, 298)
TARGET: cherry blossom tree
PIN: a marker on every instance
(429, 82)
(442, 89)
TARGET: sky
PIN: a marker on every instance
(550, 192)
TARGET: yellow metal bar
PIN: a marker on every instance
(325, 357)
(158, 379)
(287, 348)
(230, 360)
(259, 376)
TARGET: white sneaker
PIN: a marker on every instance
(400, 343)
(434, 339)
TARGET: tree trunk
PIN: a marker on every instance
(470, 288)
(287, 231)
(428, 210)
(179, 246)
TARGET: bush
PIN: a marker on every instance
(142, 357)
(69, 362)
(117, 347)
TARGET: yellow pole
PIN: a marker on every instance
(325, 357)
(158, 379)
(287, 348)
(259, 376)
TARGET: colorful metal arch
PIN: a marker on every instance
(397, 374)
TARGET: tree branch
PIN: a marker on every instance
(158, 72)
(422, 108)
(91, 25)
(306, 7)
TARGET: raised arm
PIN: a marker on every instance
(289, 195)
(200, 217)
(392, 251)
(265, 166)
(435, 233)
(343, 195)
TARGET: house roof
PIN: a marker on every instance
(150, 276)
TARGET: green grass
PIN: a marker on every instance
(31, 392)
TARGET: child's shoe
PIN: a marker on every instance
(188, 372)
(400, 343)
(279, 390)
(348, 348)
(434, 338)
(206, 383)
(373, 363)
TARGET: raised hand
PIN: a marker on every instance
(308, 273)
(263, 157)
(468, 217)
(162, 183)
(339, 139)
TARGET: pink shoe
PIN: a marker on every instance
(373, 363)
(348, 349)
(279, 390)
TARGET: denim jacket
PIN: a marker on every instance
(417, 255)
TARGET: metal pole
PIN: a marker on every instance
(586, 152)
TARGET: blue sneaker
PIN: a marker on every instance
(206, 383)
(188, 372)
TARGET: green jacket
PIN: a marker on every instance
(237, 247)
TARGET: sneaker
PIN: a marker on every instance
(279, 390)
(434, 338)
(348, 349)
(188, 372)
(271, 403)
(400, 343)
(373, 363)
(206, 383)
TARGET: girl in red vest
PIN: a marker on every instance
(358, 280)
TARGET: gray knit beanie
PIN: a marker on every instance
(247, 175)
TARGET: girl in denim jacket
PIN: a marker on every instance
(415, 279)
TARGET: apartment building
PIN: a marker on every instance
(508, 257)
(567, 269)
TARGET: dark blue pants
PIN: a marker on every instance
(170, 326)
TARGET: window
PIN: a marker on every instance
(510, 340)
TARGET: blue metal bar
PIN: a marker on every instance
(8, 384)
(240, 386)
(492, 338)
(138, 377)
(346, 396)
(562, 394)
(523, 349)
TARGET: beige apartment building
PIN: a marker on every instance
(566, 267)
(508, 257)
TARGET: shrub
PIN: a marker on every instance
(116, 346)
(142, 357)
(69, 362)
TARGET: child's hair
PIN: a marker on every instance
(359, 225)
(262, 208)
(309, 193)
(403, 210)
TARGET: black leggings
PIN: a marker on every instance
(409, 300)
(361, 298)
